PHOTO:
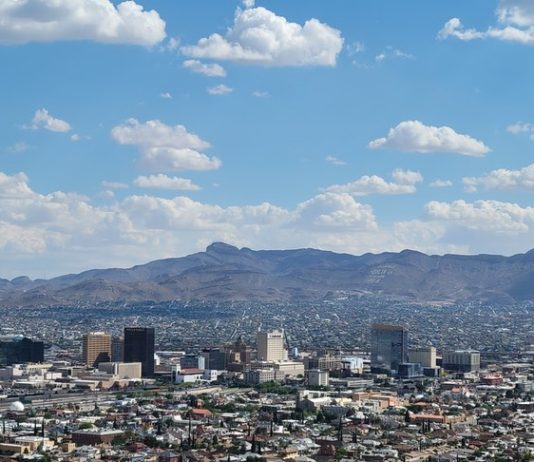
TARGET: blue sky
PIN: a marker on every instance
(141, 130)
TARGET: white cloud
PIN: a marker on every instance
(161, 181)
(355, 48)
(380, 57)
(107, 194)
(165, 95)
(441, 184)
(454, 28)
(249, 3)
(470, 184)
(64, 232)
(332, 210)
(515, 24)
(140, 227)
(427, 236)
(335, 161)
(173, 44)
(97, 20)
(209, 70)
(486, 216)
(414, 136)
(219, 90)
(521, 127)
(259, 36)
(405, 182)
(43, 119)
(164, 147)
(406, 177)
(391, 52)
(503, 179)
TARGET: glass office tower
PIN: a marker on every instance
(139, 348)
(389, 346)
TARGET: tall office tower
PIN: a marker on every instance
(426, 356)
(117, 345)
(238, 352)
(271, 346)
(389, 344)
(96, 348)
(214, 359)
(139, 347)
(14, 350)
(244, 350)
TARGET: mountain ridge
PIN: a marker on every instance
(226, 273)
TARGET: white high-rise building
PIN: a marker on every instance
(271, 346)
(426, 356)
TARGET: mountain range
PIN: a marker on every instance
(226, 273)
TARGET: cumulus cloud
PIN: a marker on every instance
(259, 36)
(43, 119)
(209, 70)
(57, 212)
(405, 182)
(414, 136)
(64, 232)
(165, 95)
(521, 127)
(143, 227)
(161, 181)
(332, 210)
(164, 147)
(515, 23)
(489, 215)
(503, 179)
(219, 90)
(454, 28)
(406, 177)
(97, 20)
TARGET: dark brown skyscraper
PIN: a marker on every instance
(139, 347)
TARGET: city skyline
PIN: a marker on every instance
(351, 127)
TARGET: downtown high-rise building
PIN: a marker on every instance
(117, 346)
(271, 346)
(96, 348)
(18, 349)
(139, 345)
(426, 356)
(389, 346)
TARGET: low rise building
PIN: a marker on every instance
(122, 370)
(318, 378)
